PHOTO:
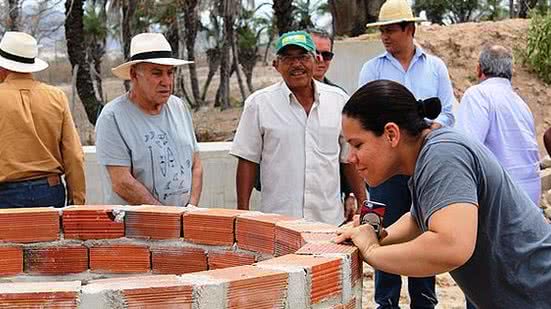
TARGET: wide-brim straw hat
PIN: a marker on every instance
(18, 52)
(151, 48)
(395, 12)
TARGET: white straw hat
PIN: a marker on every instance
(148, 47)
(18, 52)
(395, 12)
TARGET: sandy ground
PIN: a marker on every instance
(448, 293)
(457, 45)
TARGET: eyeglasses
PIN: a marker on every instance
(326, 55)
(288, 59)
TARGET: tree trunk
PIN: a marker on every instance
(74, 32)
(190, 10)
(228, 10)
(351, 16)
(13, 16)
(128, 11)
(525, 7)
(248, 58)
(236, 62)
(283, 13)
(512, 8)
(267, 50)
(213, 59)
(223, 96)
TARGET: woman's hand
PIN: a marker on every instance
(363, 237)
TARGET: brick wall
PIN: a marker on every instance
(160, 256)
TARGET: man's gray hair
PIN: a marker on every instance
(321, 33)
(496, 61)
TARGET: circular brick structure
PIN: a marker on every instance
(172, 257)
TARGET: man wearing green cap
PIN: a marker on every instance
(292, 129)
(425, 76)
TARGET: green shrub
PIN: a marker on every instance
(538, 49)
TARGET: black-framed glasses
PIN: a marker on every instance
(326, 55)
(288, 59)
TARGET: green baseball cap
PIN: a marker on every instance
(297, 38)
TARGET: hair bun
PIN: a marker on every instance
(429, 108)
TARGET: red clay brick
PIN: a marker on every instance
(325, 273)
(331, 248)
(91, 222)
(224, 259)
(26, 225)
(289, 236)
(39, 295)
(119, 258)
(56, 260)
(256, 231)
(351, 305)
(252, 287)
(11, 261)
(161, 291)
(154, 222)
(178, 260)
(210, 226)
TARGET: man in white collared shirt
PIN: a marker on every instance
(293, 131)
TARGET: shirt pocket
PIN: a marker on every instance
(328, 140)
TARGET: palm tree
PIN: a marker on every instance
(95, 37)
(74, 32)
(13, 15)
(190, 12)
(228, 10)
(283, 13)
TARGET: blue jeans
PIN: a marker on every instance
(32, 193)
(395, 194)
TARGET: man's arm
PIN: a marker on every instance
(128, 188)
(446, 96)
(196, 180)
(245, 176)
(73, 159)
(448, 244)
(357, 185)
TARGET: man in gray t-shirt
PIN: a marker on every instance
(144, 139)
(511, 263)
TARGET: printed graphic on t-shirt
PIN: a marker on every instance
(170, 177)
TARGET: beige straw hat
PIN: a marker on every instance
(395, 12)
(151, 48)
(18, 52)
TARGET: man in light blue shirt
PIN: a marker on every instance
(493, 113)
(425, 76)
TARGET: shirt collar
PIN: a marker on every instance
(19, 76)
(418, 53)
(291, 97)
(496, 80)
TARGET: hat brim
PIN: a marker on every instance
(395, 21)
(123, 70)
(297, 44)
(37, 66)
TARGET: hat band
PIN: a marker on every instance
(151, 55)
(16, 58)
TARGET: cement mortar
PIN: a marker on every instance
(298, 285)
(207, 292)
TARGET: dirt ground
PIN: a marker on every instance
(457, 45)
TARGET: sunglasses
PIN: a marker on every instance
(326, 55)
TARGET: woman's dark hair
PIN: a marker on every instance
(382, 101)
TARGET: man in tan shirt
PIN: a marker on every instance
(39, 142)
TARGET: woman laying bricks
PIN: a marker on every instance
(467, 218)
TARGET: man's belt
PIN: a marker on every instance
(52, 180)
